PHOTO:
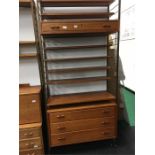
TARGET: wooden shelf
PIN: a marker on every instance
(80, 98)
(70, 3)
(83, 69)
(78, 80)
(76, 47)
(26, 42)
(28, 55)
(75, 15)
(77, 59)
(25, 3)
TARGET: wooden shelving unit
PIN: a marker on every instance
(63, 25)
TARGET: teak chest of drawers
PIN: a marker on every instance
(82, 124)
(30, 139)
(29, 105)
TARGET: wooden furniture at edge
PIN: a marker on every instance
(83, 117)
(30, 128)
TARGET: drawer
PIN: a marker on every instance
(29, 133)
(78, 27)
(100, 111)
(32, 152)
(29, 108)
(70, 126)
(33, 143)
(83, 136)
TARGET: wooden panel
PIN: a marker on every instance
(75, 15)
(75, 47)
(26, 42)
(80, 98)
(28, 55)
(24, 3)
(76, 125)
(29, 133)
(83, 136)
(29, 126)
(82, 112)
(29, 109)
(32, 152)
(67, 27)
(83, 69)
(29, 90)
(78, 80)
(76, 2)
(33, 143)
(77, 59)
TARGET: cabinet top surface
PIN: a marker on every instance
(29, 90)
(31, 125)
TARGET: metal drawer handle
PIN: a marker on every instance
(55, 27)
(75, 26)
(61, 128)
(106, 26)
(105, 111)
(105, 133)
(63, 138)
(104, 123)
(31, 133)
(34, 101)
(64, 27)
(35, 146)
(60, 116)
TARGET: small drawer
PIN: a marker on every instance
(77, 125)
(29, 108)
(29, 133)
(83, 136)
(32, 152)
(70, 114)
(79, 27)
(34, 143)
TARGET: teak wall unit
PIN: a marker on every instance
(79, 82)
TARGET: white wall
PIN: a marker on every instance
(28, 68)
(127, 42)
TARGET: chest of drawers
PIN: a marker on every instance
(82, 124)
(29, 105)
(30, 139)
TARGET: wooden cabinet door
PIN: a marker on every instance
(29, 111)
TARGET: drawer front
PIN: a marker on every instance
(70, 126)
(61, 116)
(34, 143)
(82, 136)
(29, 133)
(79, 27)
(32, 152)
(29, 109)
